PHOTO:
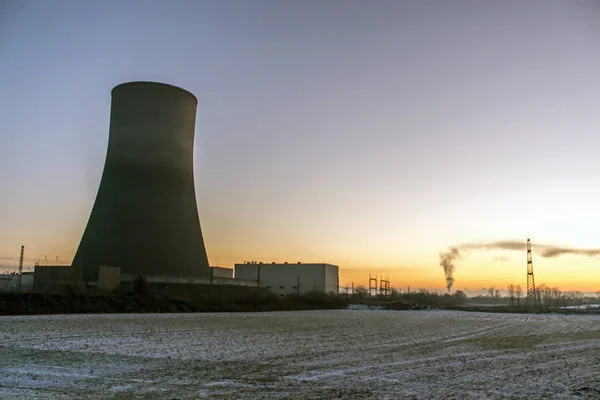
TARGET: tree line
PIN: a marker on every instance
(544, 296)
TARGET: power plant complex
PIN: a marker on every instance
(144, 221)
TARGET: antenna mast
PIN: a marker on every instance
(20, 269)
(531, 295)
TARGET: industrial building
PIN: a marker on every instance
(144, 219)
(286, 279)
(10, 282)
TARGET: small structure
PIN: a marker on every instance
(49, 277)
(108, 277)
(220, 272)
(289, 279)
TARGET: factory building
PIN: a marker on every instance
(144, 219)
(287, 279)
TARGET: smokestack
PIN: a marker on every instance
(145, 219)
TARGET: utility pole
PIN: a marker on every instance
(258, 275)
(531, 294)
(20, 269)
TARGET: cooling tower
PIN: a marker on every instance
(145, 219)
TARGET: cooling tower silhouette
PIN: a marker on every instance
(145, 218)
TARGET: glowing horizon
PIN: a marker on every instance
(476, 270)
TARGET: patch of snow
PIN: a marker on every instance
(363, 307)
(312, 354)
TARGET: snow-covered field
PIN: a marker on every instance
(363, 354)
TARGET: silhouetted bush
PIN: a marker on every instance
(72, 290)
(323, 300)
(427, 298)
(140, 285)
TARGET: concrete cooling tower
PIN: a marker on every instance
(145, 219)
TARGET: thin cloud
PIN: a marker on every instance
(545, 250)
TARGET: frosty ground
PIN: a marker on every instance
(350, 354)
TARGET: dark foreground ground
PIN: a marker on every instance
(204, 299)
(208, 298)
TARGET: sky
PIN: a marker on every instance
(371, 135)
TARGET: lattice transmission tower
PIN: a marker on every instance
(531, 295)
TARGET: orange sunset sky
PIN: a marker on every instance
(370, 135)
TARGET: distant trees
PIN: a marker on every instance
(361, 291)
(519, 294)
(545, 296)
(493, 292)
(511, 293)
(515, 293)
(460, 297)
(573, 298)
(553, 297)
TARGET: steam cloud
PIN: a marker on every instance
(448, 258)
(447, 262)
